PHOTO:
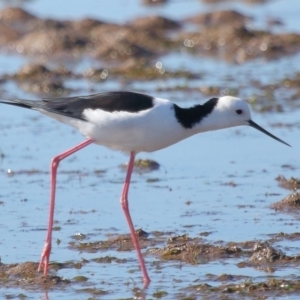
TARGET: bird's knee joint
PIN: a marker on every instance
(55, 162)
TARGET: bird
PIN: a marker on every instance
(132, 122)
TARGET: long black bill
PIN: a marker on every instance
(254, 125)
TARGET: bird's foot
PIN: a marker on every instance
(44, 262)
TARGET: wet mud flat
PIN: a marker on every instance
(166, 253)
(131, 51)
(130, 54)
(196, 252)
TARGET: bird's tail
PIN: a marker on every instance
(19, 102)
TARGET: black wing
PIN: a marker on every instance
(74, 106)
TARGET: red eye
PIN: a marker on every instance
(239, 111)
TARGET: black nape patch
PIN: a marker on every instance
(188, 117)
(112, 101)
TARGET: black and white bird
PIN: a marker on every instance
(132, 123)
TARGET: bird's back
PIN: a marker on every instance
(74, 107)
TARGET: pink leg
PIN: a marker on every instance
(125, 207)
(55, 162)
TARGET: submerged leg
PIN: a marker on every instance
(125, 207)
(55, 162)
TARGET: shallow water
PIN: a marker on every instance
(199, 170)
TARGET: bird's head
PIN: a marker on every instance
(231, 111)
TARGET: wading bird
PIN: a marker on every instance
(132, 123)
